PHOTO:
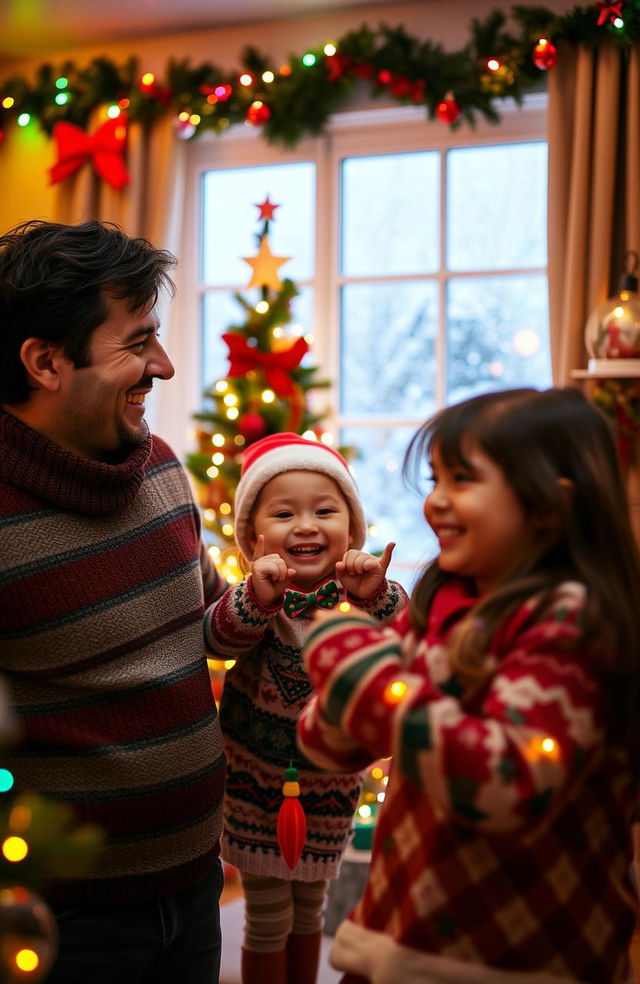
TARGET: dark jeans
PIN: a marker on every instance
(173, 940)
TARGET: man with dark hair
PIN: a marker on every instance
(104, 580)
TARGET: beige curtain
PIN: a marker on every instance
(150, 206)
(594, 188)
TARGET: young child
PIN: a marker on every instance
(299, 517)
(507, 694)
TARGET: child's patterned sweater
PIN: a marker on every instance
(502, 851)
(262, 698)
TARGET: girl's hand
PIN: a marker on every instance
(269, 575)
(362, 573)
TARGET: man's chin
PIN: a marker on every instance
(132, 438)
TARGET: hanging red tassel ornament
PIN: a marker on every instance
(544, 54)
(448, 110)
(292, 823)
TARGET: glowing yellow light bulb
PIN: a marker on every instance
(233, 413)
(217, 440)
(246, 79)
(394, 691)
(548, 745)
(377, 772)
(225, 508)
(8, 102)
(262, 307)
(364, 811)
(268, 396)
(214, 552)
(230, 400)
(222, 386)
(27, 960)
(268, 77)
(232, 560)
(218, 458)
(310, 436)
(344, 606)
(227, 529)
(229, 664)
(330, 49)
(327, 438)
(15, 848)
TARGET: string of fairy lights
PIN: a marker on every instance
(506, 55)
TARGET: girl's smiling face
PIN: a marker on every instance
(304, 518)
(481, 526)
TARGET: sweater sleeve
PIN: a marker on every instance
(507, 764)
(386, 603)
(237, 621)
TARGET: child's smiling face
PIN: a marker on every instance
(304, 518)
(481, 525)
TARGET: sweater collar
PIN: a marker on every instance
(32, 463)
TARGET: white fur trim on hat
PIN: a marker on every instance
(279, 453)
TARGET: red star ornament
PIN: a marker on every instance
(265, 267)
(267, 209)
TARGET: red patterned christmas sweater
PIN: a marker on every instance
(503, 848)
(262, 699)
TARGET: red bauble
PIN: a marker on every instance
(252, 426)
(545, 54)
(258, 113)
(448, 110)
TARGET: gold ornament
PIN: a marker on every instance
(265, 267)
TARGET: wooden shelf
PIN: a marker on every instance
(609, 369)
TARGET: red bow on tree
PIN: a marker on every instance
(275, 365)
(104, 148)
(608, 11)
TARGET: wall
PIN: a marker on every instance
(27, 154)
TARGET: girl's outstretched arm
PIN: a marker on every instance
(534, 732)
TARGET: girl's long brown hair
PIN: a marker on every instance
(538, 438)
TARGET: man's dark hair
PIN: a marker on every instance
(54, 284)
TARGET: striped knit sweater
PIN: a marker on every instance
(502, 851)
(262, 698)
(103, 587)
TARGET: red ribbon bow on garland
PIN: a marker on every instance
(104, 148)
(275, 365)
(608, 11)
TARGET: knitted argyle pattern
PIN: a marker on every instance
(504, 841)
(103, 589)
(262, 699)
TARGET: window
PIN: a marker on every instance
(420, 255)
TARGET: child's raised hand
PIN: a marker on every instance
(269, 575)
(362, 573)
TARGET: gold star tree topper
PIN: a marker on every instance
(265, 267)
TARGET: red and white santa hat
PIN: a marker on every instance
(279, 453)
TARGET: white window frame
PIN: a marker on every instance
(358, 132)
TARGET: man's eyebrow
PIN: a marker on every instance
(143, 331)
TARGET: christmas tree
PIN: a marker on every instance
(39, 841)
(264, 392)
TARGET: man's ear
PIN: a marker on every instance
(43, 361)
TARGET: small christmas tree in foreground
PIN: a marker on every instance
(264, 392)
(39, 841)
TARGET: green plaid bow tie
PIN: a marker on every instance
(297, 602)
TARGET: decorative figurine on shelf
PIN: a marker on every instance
(613, 327)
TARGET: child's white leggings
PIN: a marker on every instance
(274, 908)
